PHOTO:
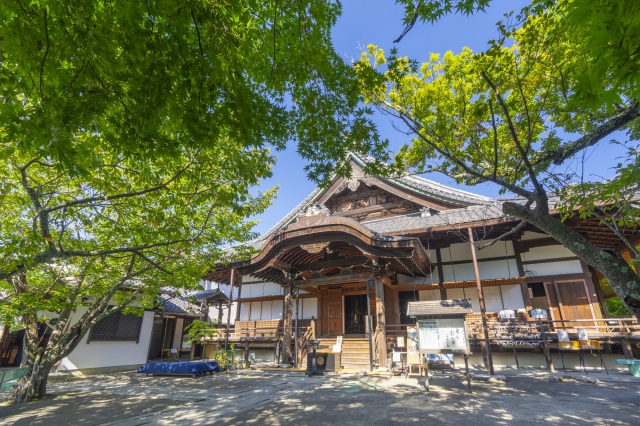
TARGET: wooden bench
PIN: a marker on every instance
(10, 378)
(633, 364)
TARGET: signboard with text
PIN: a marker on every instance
(443, 336)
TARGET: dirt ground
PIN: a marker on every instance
(288, 398)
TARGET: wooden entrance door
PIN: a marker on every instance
(335, 318)
(569, 300)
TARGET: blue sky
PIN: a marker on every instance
(379, 22)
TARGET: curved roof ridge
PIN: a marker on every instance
(446, 188)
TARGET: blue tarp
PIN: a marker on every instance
(180, 368)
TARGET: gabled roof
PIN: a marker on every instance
(209, 296)
(176, 305)
(410, 184)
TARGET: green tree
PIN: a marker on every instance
(536, 99)
(131, 134)
(92, 245)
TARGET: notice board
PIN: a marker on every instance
(443, 336)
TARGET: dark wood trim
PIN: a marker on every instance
(524, 289)
(315, 266)
(550, 278)
(309, 289)
(443, 289)
(507, 258)
(526, 245)
(591, 291)
(464, 262)
(271, 298)
(334, 279)
(554, 260)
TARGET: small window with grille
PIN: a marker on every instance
(117, 327)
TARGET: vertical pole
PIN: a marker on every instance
(466, 367)
(483, 311)
(443, 290)
(369, 323)
(545, 347)
(295, 336)
(381, 327)
(286, 338)
(231, 280)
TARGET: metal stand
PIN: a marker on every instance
(466, 368)
(314, 345)
(426, 373)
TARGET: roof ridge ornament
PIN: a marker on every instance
(316, 210)
(353, 182)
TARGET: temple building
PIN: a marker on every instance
(343, 265)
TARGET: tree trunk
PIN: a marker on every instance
(39, 361)
(621, 277)
(286, 340)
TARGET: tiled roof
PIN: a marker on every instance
(176, 305)
(444, 218)
(209, 295)
(440, 191)
(415, 183)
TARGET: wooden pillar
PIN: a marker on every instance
(239, 284)
(592, 293)
(443, 290)
(288, 311)
(381, 329)
(523, 285)
(483, 311)
(231, 280)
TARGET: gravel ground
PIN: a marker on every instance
(288, 398)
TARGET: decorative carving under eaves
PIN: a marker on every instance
(317, 209)
(314, 248)
(353, 183)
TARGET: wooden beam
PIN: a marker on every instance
(309, 289)
(337, 263)
(278, 264)
(527, 245)
(333, 279)
(551, 260)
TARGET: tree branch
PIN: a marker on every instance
(560, 154)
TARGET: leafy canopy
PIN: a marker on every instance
(152, 77)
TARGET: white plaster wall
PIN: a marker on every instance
(429, 295)
(244, 311)
(492, 299)
(512, 297)
(462, 251)
(260, 289)
(213, 313)
(276, 310)
(409, 280)
(555, 268)
(487, 270)
(272, 310)
(309, 308)
(496, 298)
(177, 337)
(97, 354)
(456, 293)
(255, 311)
(546, 252)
